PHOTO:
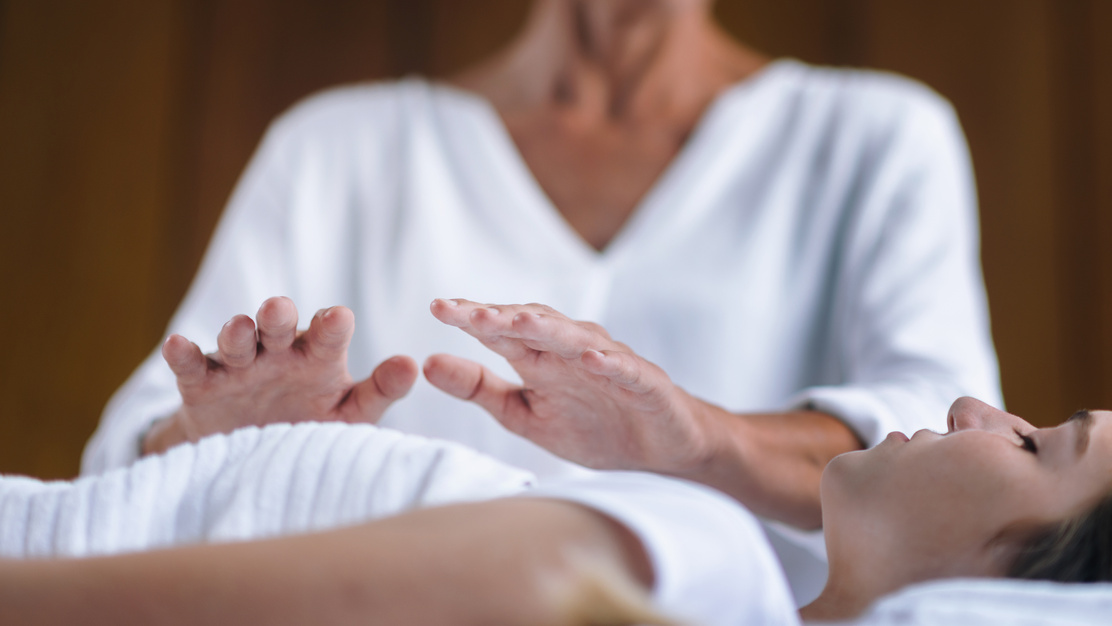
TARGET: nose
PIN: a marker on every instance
(970, 413)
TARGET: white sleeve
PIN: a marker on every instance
(251, 484)
(910, 314)
(245, 264)
(711, 561)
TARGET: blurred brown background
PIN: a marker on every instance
(125, 123)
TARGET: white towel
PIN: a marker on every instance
(250, 484)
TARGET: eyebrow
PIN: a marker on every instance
(1084, 421)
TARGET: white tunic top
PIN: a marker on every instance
(815, 243)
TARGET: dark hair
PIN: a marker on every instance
(1078, 550)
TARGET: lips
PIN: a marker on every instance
(896, 436)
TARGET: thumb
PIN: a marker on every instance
(390, 381)
(467, 380)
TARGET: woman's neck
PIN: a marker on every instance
(837, 603)
(615, 61)
(862, 569)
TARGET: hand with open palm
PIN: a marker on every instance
(584, 396)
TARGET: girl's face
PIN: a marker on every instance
(952, 502)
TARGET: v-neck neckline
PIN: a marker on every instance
(538, 205)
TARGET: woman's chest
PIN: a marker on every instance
(596, 177)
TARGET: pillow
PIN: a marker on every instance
(993, 601)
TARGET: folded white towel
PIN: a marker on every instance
(250, 484)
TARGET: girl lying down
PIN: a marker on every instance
(992, 497)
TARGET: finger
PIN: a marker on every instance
(453, 312)
(277, 319)
(391, 380)
(185, 359)
(468, 380)
(330, 333)
(236, 343)
(558, 335)
(459, 313)
(463, 313)
(494, 329)
(599, 330)
(625, 370)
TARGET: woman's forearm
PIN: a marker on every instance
(486, 563)
(772, 462)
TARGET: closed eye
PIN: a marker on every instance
(1028, 443)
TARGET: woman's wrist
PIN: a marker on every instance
(709, 440)
(164, 433)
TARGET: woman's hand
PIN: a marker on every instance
(275, 374)
(585, 397)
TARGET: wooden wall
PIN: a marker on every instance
(124, 124)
